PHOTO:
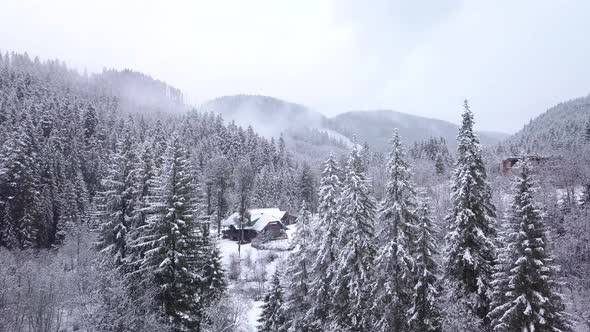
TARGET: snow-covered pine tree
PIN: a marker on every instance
(353, 270)
(145, 174)
(213, 282)
(116, 203)
(531, 300)
(244, 184)
(397, 229)
(471, 251)
(297, 278)
(498, 295)
(307, 189)
(425, 315)
(587, 132)
(324, 232)
(439, 165)
(20, 212)
(172, 235)
(272, 317)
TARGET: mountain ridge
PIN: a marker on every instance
(372, 126)
(560, 126)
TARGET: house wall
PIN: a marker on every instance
(274, 230)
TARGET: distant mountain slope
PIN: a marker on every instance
(303, 129)
(376, 127)
(271, 116)
(267, 115)
(137, 90)
(560, 126)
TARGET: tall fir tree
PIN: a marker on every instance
(272, 317)
(354, 269)
(213, 282)
(397, 228)
(296, 294)
(307, 190)
(529, 284)
(425, 314)
(172, 235)
(471, 252)
(439, 165)
(116, 204)
(325, 231)
(21, 208)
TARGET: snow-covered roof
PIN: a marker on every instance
(259, 218)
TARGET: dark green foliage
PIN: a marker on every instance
(175, 256)
(350, 300)
(272, 317)
(397, 231)
(471, 251)
(425, 314)
(526, 290)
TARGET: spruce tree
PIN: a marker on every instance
(397, 227)
(587, 132)
(498, 295)
(307, 190)
(471, 252)
(116, 208)
(296, 294)
(272, 317)
(529, 284)
(172, 235)
(439, 165)
(21, 208)
(213, 283)
(425, 315)
(324, 233)
(354, 269)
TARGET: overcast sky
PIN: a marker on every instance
(511, 59)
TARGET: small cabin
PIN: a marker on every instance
(509, 163)
(269, 222)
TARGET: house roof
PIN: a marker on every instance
(259, 218)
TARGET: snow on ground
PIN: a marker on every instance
(269, 258)
(254, 314)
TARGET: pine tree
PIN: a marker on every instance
(471, 251)
(213, 281)
(117, 201)
(529, 283)
(296, 295)
(587, 132)
(392, 289)
(500, 283)
(425, 315)
(244, 183)
(173, 236)
(145, 175)
(21, 208)
(325, 231)
(439, 165)
(272, 317)
(307, 190)
(354, 269)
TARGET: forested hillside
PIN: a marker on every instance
(562, 126)
(312, 134)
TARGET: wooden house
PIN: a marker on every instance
(269, 222)
(512, 162)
